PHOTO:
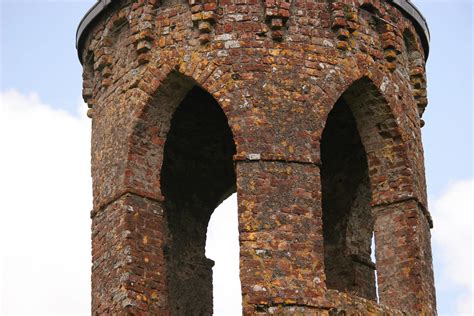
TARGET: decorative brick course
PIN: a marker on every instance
(193, 100)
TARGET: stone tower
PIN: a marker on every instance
(309, 109)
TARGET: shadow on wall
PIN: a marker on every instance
(197, 175)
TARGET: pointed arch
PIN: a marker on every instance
(148, 137)
(181, 152)
(379, 128)
(364, 167)
(196, 175)
(348, 223)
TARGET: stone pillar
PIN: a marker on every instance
(128, 271)
(281, 245)
(403, 252)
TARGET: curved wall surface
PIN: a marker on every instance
(309, 110)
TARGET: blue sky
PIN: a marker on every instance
(40, 70)
(448, 134)
(38, 49)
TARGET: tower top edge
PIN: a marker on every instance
(406, 7)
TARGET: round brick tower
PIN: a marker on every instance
(310, 110)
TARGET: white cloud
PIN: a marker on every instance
(452, 241)
(44, 213)
(222, 246)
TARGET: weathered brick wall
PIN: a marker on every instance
(276, 69)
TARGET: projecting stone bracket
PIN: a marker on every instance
(204, 17)
(418, 83)
(344, 22)
(277, 13)
(142, 27)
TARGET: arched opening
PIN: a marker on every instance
(196, 176)
(348, 224)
